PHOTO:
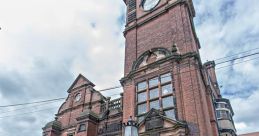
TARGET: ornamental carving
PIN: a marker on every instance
(153, 121)
(151, 56)
(110, 128)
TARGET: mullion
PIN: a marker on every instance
(160, 94)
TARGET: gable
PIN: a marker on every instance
(155, 120)
(80, 81)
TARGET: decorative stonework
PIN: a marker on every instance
(151, 56)
(156, 123)
(110, 128)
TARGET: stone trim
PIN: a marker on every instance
(174, 57)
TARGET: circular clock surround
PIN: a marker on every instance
(78, 97)
(149, 4)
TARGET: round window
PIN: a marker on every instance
(149, 4)
(78, 97)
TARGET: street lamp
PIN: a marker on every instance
(130, 128)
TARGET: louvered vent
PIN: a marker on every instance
(131, 16)
(131, 5)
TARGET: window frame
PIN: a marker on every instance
(159, 97)
(79, 128)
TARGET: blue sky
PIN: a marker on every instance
(45, 44)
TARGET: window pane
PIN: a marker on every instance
(170, 114)
(154, 104)
(82, 127)
(167, 89)
(154, 93)
(221, 105)
(153, 82)
(142, 97)
(142, 108)
(223, 114)
(218, 113)
(142, 86)
(168, 102)
(166, 78)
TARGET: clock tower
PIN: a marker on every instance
(163, 72)
(167, 91)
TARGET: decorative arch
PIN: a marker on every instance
(150, 56)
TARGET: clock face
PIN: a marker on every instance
(78, 97)
(149, 4)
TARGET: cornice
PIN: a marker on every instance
(166, 9)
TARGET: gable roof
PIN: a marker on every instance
(80, 76)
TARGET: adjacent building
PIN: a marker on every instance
(167, 90)
(251, 134)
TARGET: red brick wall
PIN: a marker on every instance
(173, 26)
(251, 134)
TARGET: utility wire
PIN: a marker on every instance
(42, 103)
(115, 87)
(12, 105)
(110, 88)
(236, 54)
(51, 100)
(237, 58)
(26, 108)
(238, 63)
(1, 117)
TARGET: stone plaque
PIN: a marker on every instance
(154, 134)
(154, 123)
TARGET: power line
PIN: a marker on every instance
(1, 117)
(25, 108)
(236, 54)
(238, 63)
(110, 88)
(238, 58)
(50, 100)
(29, 103)
(115, 87)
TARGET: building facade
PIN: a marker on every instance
(166, 88)
(251, 134)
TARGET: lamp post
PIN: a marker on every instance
(130, 128)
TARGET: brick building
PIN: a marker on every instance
(166, 88)
(251, 134)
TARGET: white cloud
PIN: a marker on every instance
(44, 44)
(227, 27)
(246, 110)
